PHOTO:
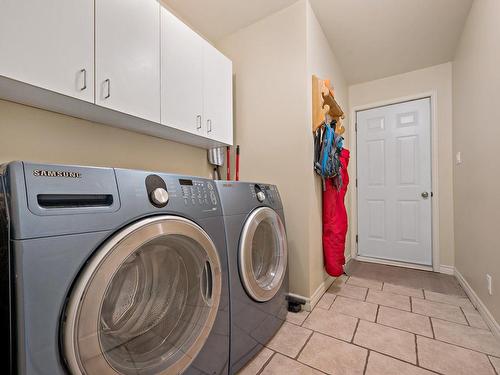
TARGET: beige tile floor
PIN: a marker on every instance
(366, 326)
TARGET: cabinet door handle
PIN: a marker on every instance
(198, 122)
(209, 126)
(108, 84)
(84, 72)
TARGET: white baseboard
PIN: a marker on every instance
(393, 263)
(318, 293)
(481, 307)
(448, 270)
(316, 296)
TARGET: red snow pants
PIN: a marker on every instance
(335, 220)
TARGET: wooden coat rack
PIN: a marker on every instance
(323, 103)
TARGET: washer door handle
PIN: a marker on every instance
(207, 280)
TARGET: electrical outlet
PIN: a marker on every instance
(488, 282)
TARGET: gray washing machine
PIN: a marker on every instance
(257, 255)
(111, 271)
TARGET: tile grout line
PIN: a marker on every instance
(376, 314)
(416, 351)
(366, 362)
(494, 368)
(355, 331)
(333, 301)
(300, 352)
(411, 303)
(432, 328)
(465, 316)
(266, 363)
(303, 346)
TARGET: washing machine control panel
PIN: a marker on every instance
(198, 192)
(187, 192)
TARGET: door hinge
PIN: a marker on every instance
(357, 237)
(356, 126)
(356, 182)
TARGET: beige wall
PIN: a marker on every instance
(322, 62)
(476, 134)
(273, 60)
(269, 65)
(32, 134)
(439, 79)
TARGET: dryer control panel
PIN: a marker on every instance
(265, 193)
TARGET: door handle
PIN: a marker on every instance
(425, 195)
(207, 281)
(209, 126)
(84, 72)
(198, 122)
(108, 83)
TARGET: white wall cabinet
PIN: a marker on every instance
(135, 65)
(49, 44)
(182, 76)
(196, 83)
(128, 56)
(217, 94)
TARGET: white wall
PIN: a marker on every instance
(476, 134)
(269, 65)
(322, 62)
(273, 61)
(32, 134)
(439, 79)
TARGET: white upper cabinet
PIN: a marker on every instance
(49, 44)
(217, 95)
(128, 56)
(135, 64)
(181, 76)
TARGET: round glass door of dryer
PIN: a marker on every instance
(146, 301)
(263, 254)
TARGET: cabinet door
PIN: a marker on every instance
(128, 57)
(218, 95)
(181, 75)
(49, 44)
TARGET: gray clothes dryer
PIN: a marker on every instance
(111, 271)
(257, 255)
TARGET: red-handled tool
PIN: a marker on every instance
(237, 162)
(228, 162)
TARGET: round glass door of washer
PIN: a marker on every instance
(145, 302)
(263, 254)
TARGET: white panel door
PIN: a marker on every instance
(181, 76)
(49, 44)
(394, 182)
(128, 57)
(218, 94)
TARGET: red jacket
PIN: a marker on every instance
(335, 220)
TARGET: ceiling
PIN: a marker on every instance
(371, 38)
(215, 19)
